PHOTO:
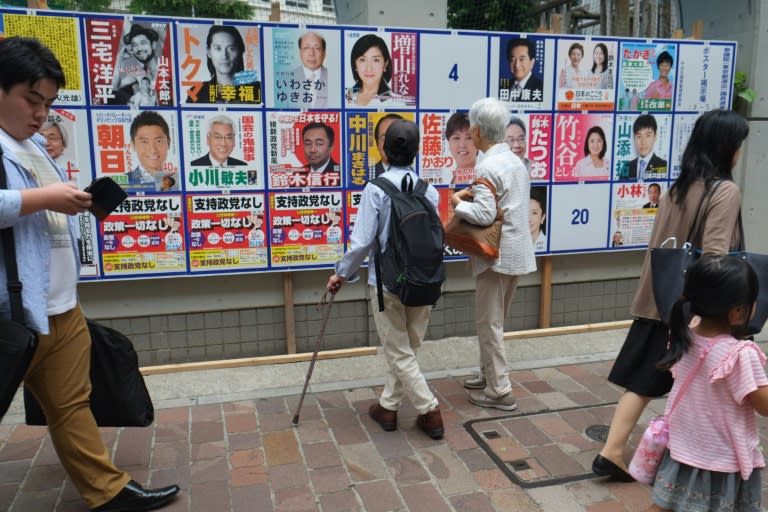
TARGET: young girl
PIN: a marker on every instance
(713, 460)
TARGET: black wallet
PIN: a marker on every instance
(106, 196)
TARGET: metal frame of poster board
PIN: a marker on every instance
(266, 208)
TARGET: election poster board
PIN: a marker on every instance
(246, 147)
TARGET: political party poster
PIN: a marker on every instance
(704, 77)
(583, 147)
(66, 141)
(146, 161)
(647, 78)
(306, 228)
(586, 74)
(226, 232)
(222, 150)
(304, 149)
(144, 235)
(62, 36)
(383, 69)
(305, 68)
(352, 205)
(683, 127)
(448, 155)
(365, 146)
(634, 210)
(642, 146)
(219, 64)
(129, 62)
(530, 138)
(522, 71)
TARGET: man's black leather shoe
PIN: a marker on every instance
(134, 498)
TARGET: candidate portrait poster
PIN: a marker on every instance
(306, 228)
(647, 77)
(383, 69)
(304, 149)
(304, 66)
(448, 155)
(144, 235)
(219, 64)
(62, 36)
(583, 147)
(522, 71)
(642, 146)
(634, 210)
(586, 74)
(129, 62)
(704, 76)
(226, 232)
(529, 136)
(148, 162)
(65, 132)
(222, 150)
(365, 144)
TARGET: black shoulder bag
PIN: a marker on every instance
(17, 341)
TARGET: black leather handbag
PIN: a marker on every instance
(17, 341)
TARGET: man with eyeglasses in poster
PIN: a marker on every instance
(221, 142)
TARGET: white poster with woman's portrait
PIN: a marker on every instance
(304, 71)
(382, 70)
(537, 217)
(586, 74)
(219, 64)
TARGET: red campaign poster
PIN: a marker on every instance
(144, 235)
(226, 232)
(306, 228)
(445, 211)
(129, 62)
(304, 149)
(353, 203)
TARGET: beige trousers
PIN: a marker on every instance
(59, 378)
(493, 295)
(401, 330)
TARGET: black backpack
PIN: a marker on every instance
(412, 266)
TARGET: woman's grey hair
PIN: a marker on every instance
(491, 117)
(58, 126)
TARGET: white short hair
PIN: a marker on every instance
(220, 119)
(491, 117)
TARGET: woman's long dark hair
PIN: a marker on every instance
(361, 46)
(713, 286)
(239, 62)
(716, 137)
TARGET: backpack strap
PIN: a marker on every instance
(390, 189)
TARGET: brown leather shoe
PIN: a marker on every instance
(431, 423)
(384, 417)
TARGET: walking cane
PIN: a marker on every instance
(326, 306)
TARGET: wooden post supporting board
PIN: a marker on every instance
(290, 316)
(545, 298)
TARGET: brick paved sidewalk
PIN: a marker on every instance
(247, 455)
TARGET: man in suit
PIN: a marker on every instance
(318, 146)
(654, 192)
(312, 75)
(378, 133)
(524, 86)
(221, 142)
(646, 163)
(151, 140)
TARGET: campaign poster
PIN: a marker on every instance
(585, 74)
(353, 204)
(683, 128)
(304, 149)
(450, 72)
(537, 217)
(148, 162)
(62, 36)
(129, 62)
(226, 232)
(448, 155)
(704, 77)
(583, 147)
(530, 138)
(647, 77)
(305, 68)
(306, 228)
(445, 211)
(219, 64)
(523, 71)
(365, 136)
(383, 72)
(642, 146)
(222, 150)
(634, 210)
(66, 141)
(144, 235)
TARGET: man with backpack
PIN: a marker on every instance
(398, 228)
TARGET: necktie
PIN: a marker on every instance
(642, 166)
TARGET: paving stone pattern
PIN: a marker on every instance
(248, 456)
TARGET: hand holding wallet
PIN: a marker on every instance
(106, 195)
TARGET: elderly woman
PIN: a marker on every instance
(55, 139)
(495, 280)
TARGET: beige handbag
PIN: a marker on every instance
(473, 239)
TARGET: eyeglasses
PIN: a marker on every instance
(52, 137)
(515, 140)
(222, 138)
